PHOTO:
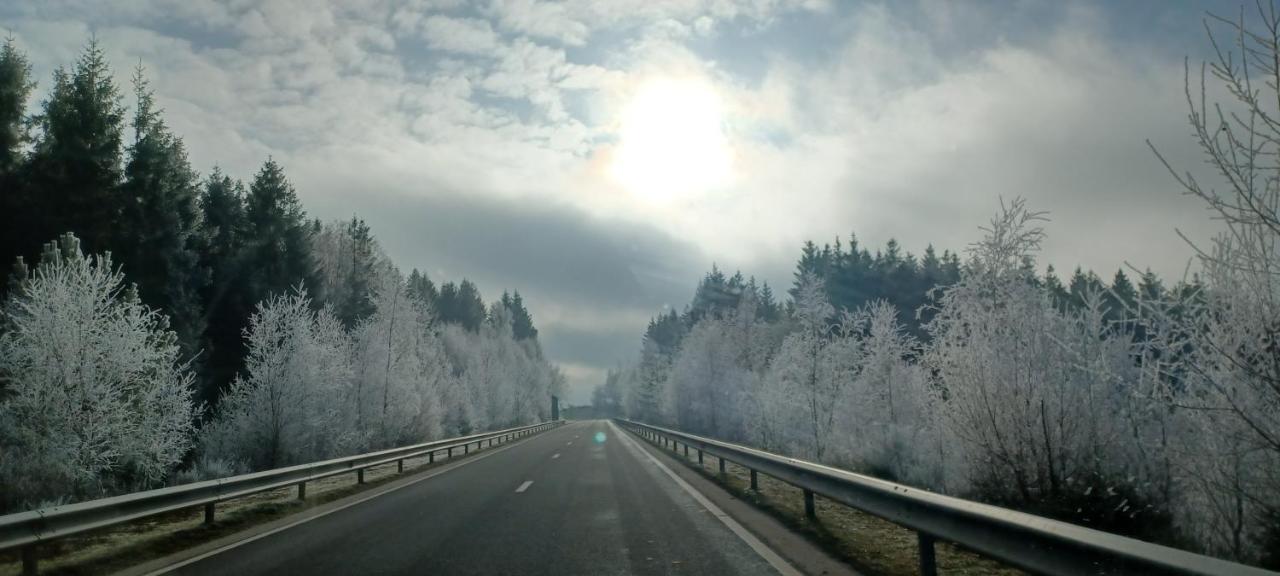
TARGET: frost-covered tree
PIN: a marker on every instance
(93, 397)
(400, 368)
(290, 404)
(1219, 346)
(811, 365)
(888, 423)
(1033, 394)
(706, 381)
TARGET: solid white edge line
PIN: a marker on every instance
(778, 563)
(524, 486)
(255, 537)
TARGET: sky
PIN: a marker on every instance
(600, 156)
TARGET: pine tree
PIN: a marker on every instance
(521, 321)
(1057, 291)
(76, 162)
(159, 221)
(15, 88)
(1121, 298)
(225, 297)
(356, 303)
(421, 288)
(278, 256)
(461, 304)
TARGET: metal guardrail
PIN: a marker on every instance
(26, 530)
(1033, 543)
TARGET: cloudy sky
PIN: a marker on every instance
(600, 155)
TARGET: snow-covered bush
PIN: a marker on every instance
(94, 397)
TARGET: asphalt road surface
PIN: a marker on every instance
(578, 499)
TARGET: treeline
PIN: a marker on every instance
(198, 322)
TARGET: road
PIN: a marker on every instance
(578, 499)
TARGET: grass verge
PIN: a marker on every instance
(871, 545)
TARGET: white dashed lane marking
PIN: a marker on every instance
(556, 455)
(524, 486)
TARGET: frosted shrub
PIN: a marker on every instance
(95, 399)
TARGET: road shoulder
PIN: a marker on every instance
(797, 550)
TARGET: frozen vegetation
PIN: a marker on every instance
(188, 327)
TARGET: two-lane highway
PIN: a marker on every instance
(580, 499)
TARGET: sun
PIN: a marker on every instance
(671, 141)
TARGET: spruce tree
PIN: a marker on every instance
(422, 288)
(521, 321)
(15, 88)
(159, 221)
(76, 162)
(356, 302)
(278, 256)
(225, 297)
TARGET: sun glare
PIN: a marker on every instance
(672, 141)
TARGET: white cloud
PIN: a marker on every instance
(463, 35)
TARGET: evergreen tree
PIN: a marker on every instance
(1150, 288)
(1121, 298)
(521, 321)
(1083, 284)
(421, 288)
(461, 304)
(225, 297)
(76, 162)
(159, 221)
(1057, 291)
(278, 257)
(356, 303)
(15, 88)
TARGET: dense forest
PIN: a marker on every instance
(161, 326)
(1130, 406)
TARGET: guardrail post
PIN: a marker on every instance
(755, 487)
(928, 563)
(302, 490)
(808, 505)
(722, 466)
(450, 454)
(208, 513)
(686, 449)
(399, 466)
(359, 475)
(431, 457)
(699, 456)
(29, 565)
(466, 449)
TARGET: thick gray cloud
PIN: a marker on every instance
(479, 137)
